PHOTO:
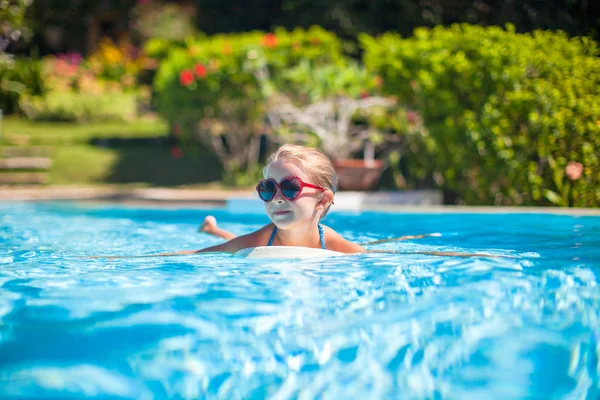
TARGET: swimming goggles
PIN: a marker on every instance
(290, 186)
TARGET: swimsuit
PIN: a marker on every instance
(321, 236)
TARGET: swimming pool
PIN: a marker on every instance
(370, 326)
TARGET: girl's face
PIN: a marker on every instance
(305, 208)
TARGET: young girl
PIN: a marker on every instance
(298, 189)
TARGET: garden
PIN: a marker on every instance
(490, 115)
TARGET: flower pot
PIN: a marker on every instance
(359, 175)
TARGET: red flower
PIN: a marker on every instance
(269, 40)
(315, 41)
(176, 152)
(364, 94)
(186, 77)
(200, 70)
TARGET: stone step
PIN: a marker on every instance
(22, 178)
(26, 151)
(17, 163)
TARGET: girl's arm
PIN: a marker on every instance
(336, 242)
(235, 244)
(210, 226)
(231, 246)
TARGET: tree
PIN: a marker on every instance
(12, 26)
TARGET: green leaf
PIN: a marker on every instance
(555, 198)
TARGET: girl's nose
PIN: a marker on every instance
(278, 197)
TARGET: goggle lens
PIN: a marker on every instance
(266, 189)
(290, 188)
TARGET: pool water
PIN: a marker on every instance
(373, 326)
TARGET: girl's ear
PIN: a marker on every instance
(326, 199)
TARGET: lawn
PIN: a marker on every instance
(138, 153)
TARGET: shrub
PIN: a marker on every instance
(120, 62)
(508, 112)
(81, 107)
(17, 78)
(73, 93)
(208, 90)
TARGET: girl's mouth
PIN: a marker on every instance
(280, 212)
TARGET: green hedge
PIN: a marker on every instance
(192, 79)
(507, 112)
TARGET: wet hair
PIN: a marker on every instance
(317, 166)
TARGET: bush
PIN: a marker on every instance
(208, 90)
(515, 118)
(80, 107)
(17, 78)
(119, 63)
(73, 93)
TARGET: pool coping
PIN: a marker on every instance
(217, 198)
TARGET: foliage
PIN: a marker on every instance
(74, 93)
(507, 112)
(14, 76)
(351, 17)
(70, 105)
(319, 105)
(23, 76)
(159, 20)
(13, 25)
(116, 62)
(208, 91)
(158, 48)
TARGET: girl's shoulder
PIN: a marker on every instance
(336, 242)
(257, 238)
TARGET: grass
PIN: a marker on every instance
(113, 153)
(16, 131)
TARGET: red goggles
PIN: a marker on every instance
(290, 187)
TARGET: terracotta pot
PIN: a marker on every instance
(358, 174)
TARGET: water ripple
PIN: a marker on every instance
(525, 325)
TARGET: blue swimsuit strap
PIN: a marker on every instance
(321, 236)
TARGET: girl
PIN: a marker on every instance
(298, 189)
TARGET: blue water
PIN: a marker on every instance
(366, 327)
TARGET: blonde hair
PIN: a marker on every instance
(315, 164)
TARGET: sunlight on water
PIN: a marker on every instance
(526, 325)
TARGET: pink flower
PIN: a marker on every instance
(574, 170)
(411, 117)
